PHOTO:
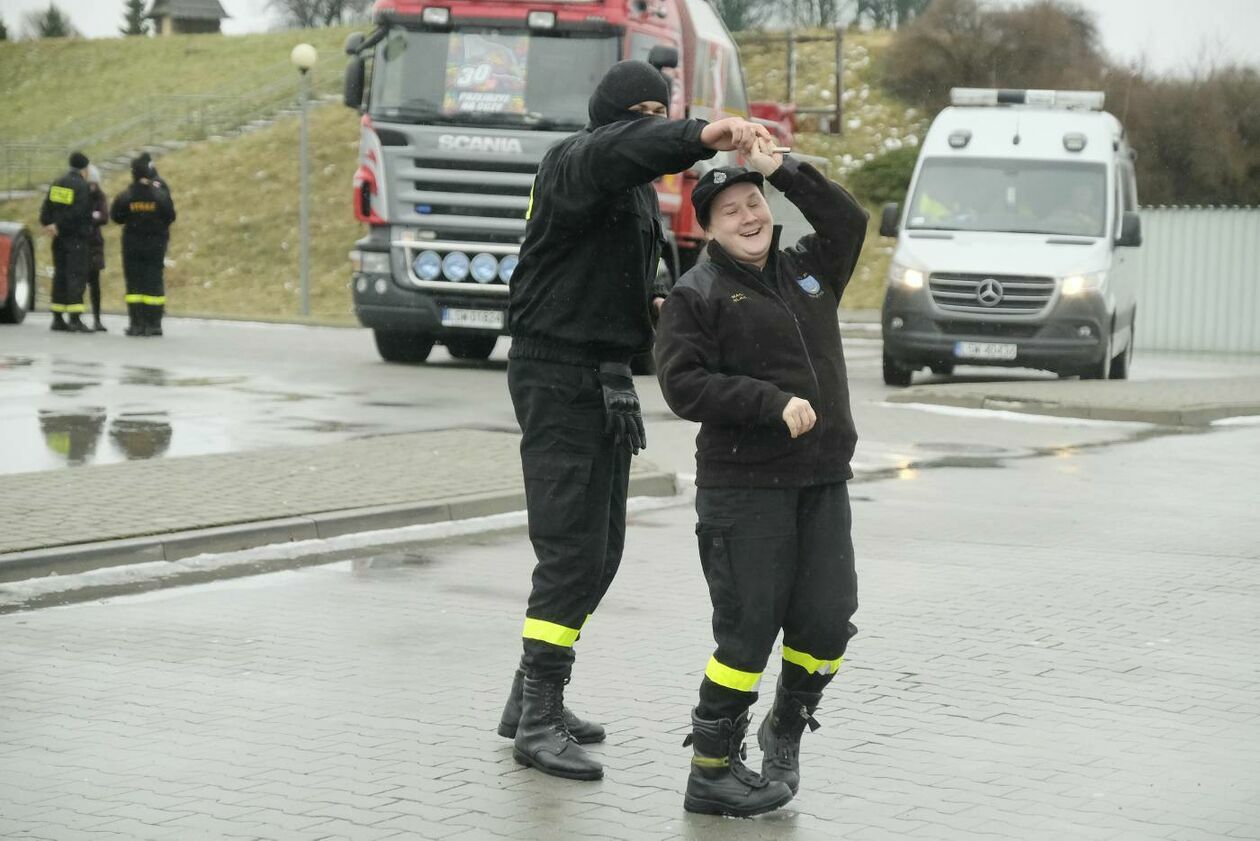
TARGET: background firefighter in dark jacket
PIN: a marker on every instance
(146, 212)
(749, 346)
(66, 215)
(100, 218)
(579, 309)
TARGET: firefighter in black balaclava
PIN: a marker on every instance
(146, 212)
(66, 215)
(580, 307)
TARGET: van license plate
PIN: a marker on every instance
(485, 319)
(985, 350)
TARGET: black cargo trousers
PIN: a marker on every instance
(72, 260)
(775, 558)
(143, 269)
(576, 482)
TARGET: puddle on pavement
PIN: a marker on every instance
(70, 388)
(73, 437)
(7, 362)
(141, 375)
(141, 437)
(390, 561)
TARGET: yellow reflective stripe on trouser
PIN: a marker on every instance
(153, 300)
(56, 307)
(134, 299)
(540, 629)
(71, 308)
(732, 678)
(810, 663)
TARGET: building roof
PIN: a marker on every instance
(187, 9)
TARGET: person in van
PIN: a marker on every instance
(749, 346)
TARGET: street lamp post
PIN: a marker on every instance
(303, 57)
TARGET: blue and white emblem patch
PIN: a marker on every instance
(810, 285)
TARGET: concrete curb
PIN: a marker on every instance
(174, 546)
(1201, 415)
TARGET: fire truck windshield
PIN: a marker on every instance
(489, 76)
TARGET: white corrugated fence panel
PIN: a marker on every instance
(1199, 279)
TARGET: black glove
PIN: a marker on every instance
(624, 418)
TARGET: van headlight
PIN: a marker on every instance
(902, 275)
(1077, 283)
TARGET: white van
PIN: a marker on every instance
(1013, 246)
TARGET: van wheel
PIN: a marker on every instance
(894, 374)
(943, 369)
(403, 346)
(1121, 364)
(21, 297)
(471, 347)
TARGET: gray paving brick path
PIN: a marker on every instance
(1055, 649)
(1175, 402)
(134, 499)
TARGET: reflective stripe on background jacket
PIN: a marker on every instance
(735, 343)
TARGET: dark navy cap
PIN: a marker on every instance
(715, 181)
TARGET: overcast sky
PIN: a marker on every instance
(1172, 35)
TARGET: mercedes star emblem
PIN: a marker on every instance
(989, 292)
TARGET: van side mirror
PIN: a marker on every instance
(352, 93)
(1130, 230)
(354, 43)
(662, 56)
(888, 221)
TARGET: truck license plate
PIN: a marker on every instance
(985, 350)
(485, 319)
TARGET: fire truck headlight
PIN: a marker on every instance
(455, 266)
(428, 265)
(506, 266)
(484, 267)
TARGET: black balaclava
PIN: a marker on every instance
(626, 83)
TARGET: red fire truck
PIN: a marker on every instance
(17, 273)
(460, 100)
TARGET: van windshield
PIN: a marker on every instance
(483, 76)
(1016, 196)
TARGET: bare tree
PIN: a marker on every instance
(744, 14)
(821, 13)
(313, 13)
(50, 23)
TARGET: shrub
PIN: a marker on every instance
(886, 178)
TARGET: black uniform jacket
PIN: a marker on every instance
(68, 206)
(736, 343)
(580, 293)
(146, 212)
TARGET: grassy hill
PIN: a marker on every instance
(74, 87)
(234, 249)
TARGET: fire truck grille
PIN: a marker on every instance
(472, 189)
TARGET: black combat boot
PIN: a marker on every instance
(153, 321)
(135, 324)
(780, 735)
(59, 323)
(585, 732)
(542, 739)
(720, 782)
(76, 324)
